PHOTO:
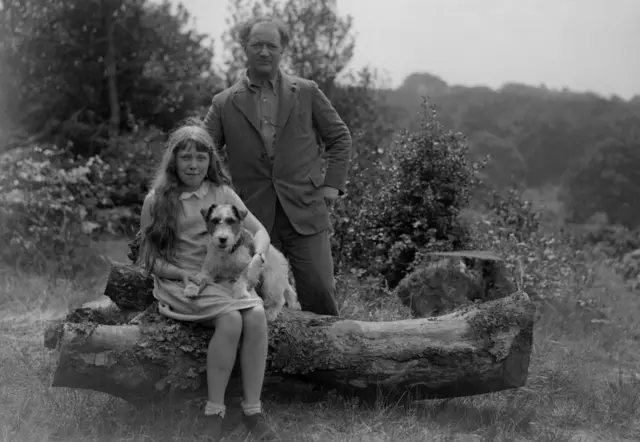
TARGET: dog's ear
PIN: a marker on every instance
(241, 214)
(207, 212)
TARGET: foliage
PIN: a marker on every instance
(371, 123)
(52, 204)
(532, 132)
(54, 57)
(608, 180)
(417, 207)
(541, 263)
(42, 207)
(618, 245)
(513, 214)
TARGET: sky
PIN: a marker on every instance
(584, 45)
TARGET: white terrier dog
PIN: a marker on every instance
(229, 257)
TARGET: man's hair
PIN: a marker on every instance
(245, 29)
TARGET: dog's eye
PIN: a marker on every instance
(215, 220)
(231, 220)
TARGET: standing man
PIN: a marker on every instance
(268, 122)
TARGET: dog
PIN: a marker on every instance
(230, 254)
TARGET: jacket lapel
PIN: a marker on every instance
(288, 97)
(244, 101)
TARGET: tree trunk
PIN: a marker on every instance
(479, 349)
(110, 71)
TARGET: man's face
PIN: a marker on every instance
(264, 49)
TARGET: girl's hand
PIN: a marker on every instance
(189, 277)
(193, 284)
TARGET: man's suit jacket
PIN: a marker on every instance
(295, 176)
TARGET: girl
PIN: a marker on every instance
(173, 246)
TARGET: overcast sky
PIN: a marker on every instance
(581, 44)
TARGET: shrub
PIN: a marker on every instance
(513, 213)
(371, 122)
(417, 209)
(54, 202)
(44, 216)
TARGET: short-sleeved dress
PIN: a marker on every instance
(191, 247)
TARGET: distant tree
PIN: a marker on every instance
(607, 181)
(505, 167)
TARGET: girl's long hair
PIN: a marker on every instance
(159, 238)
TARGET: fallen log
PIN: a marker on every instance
(478, 349)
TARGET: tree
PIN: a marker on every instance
(99, 64)
(607, 181)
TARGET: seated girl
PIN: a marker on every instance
(173, 246)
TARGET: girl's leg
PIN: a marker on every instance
(253, 358)
(253, 354)
(221, 357)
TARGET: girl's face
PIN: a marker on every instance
(191, 166)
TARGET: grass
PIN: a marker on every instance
(583, 382)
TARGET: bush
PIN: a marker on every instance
(44, 219)
(54, 202)
(513, 213)
(417, 208)
(371, 123)
(541, 262)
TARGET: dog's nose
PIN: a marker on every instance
(223, 240)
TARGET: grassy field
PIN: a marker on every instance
(584, 381)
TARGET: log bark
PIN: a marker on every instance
(478, 349)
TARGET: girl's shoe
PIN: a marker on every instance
(213, 427)
(259, 428)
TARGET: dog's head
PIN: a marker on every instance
(224, 224)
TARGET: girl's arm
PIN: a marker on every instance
(161, 268)
(166, 270)
(261, 237)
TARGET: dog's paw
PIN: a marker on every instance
(271, 314)
(295, 305)
(191, 290)
(203, 279)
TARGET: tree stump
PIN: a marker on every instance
(452, 280)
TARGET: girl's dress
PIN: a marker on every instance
(191, 247)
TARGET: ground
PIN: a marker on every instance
(584, 384)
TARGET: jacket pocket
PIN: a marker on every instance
(317, 179)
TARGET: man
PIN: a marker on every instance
(268, 122)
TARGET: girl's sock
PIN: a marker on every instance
(211, 409)
(251, 409)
